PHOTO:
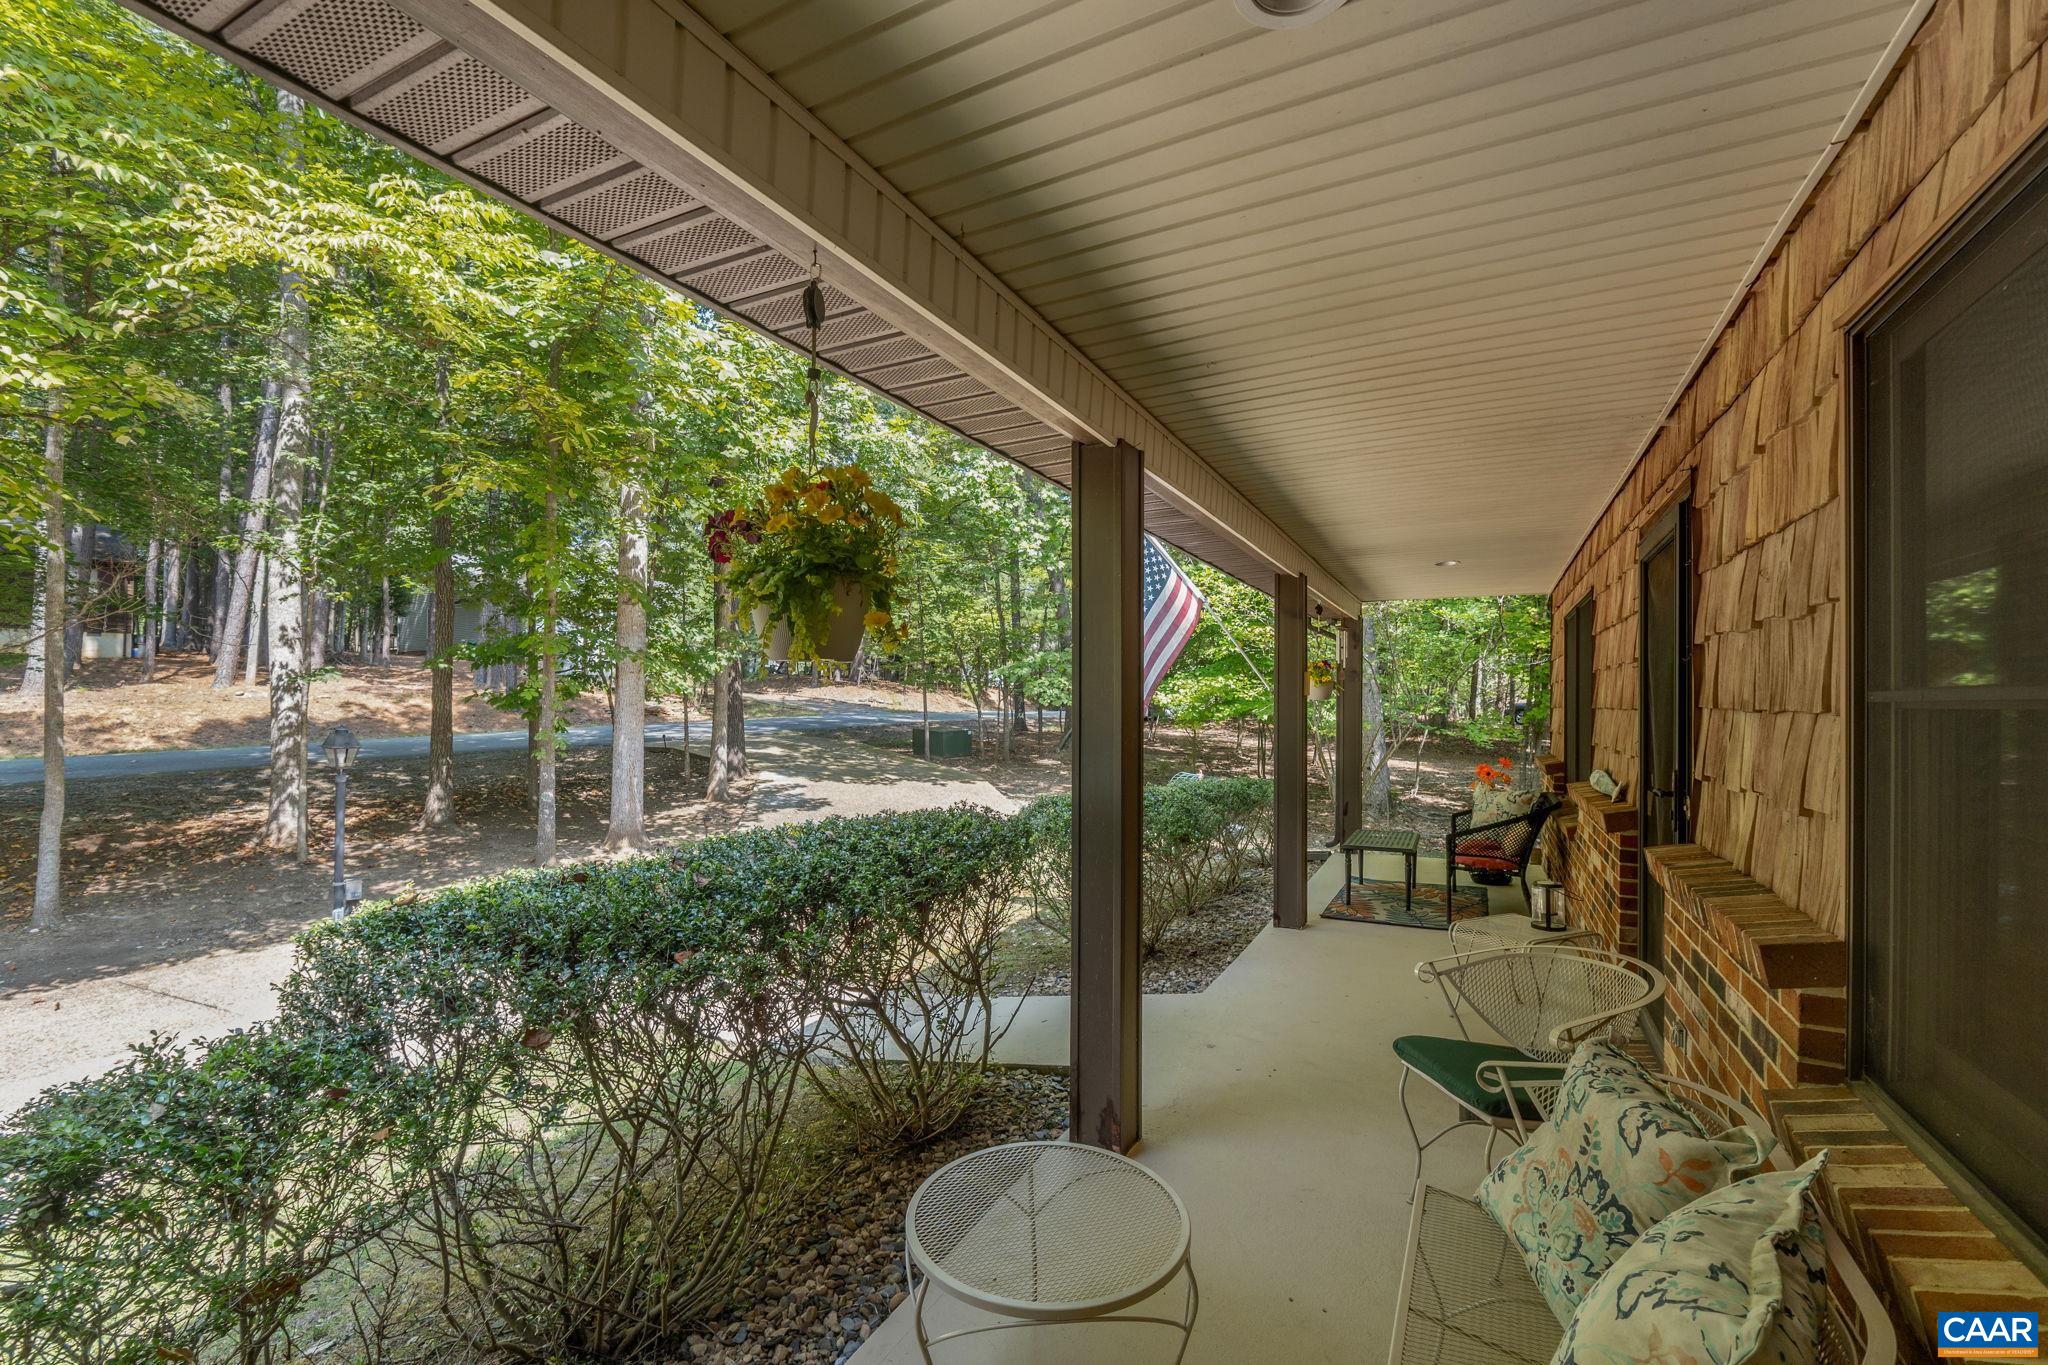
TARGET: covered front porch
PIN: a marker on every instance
(1269, 1108)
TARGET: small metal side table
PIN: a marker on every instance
(1046, 1232)
(1364, 841)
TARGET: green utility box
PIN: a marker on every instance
(946, 743)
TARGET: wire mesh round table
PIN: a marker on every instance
(1047, 1232)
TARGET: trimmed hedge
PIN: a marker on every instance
(543, 1109)
(562, 1090)
(1201, 835)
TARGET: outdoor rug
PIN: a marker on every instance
(1382, 902)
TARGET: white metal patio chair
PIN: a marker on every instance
(1466, 1297)
(1542, 1001)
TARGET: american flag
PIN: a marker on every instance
(1172, 607)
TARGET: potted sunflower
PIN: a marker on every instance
(1322, 679)
(816, 567)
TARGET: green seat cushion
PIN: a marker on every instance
(1452, 1062)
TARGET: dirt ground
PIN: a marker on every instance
(109, 709)
(168, 865)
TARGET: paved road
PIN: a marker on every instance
(20, 771)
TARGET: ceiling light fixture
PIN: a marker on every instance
(1285, 13)
(1447, 563)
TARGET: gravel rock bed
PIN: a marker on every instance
(839, 1269)
(1193, 952)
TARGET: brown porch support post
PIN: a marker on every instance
(1290, 751)
(1350, 730)
(1108, 723)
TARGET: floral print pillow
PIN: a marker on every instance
(1736, 1276)
(1616, 1156)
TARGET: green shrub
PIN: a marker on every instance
(1201, 835)
(559, 1093)
(177, 1204)
(909, 1004)
(589, 1070)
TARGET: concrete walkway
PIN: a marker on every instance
(1269, 1106)
(153, 762)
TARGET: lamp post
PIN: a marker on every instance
(340, 751)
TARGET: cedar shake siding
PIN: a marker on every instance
(1756, 907)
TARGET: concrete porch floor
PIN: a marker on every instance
(1269, 1106)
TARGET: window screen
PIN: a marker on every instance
(1578, 692)
(1951, 925)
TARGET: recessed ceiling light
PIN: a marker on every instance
(1285, 13)
(1447, 563)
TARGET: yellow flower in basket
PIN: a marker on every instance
(815, 498)
(830, 513)
(781, 521)
(883, 505)
(875, 620)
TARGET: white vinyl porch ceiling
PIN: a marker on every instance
(1418, 279)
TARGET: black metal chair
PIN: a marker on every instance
(1501, 847)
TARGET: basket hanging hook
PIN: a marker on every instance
(814, 379)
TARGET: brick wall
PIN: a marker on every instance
(1931, 1253)
(1601, 868)
(1755, 1001)
(1756, 914)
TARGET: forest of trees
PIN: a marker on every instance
(302, 380)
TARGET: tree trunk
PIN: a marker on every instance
(1018, 725)
(252, 642)
(1055, 571)
(1002, 653)
(312, 587)
(39, 630)
(439, 807)
(628, 828)
(728, 716)
(85, 539)
(224, 493)
(285, 605)
(544, 772)
(316, 631)
(187, 599)
(387, 629)
(234, 629)
(170, 625)
(44, 910)
(152, 565)
(1379, 799)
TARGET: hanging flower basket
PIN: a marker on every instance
(1322, 679)
(815, 566)
(850, 601)
(774, 637)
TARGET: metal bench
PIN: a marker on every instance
(1466, 1298)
